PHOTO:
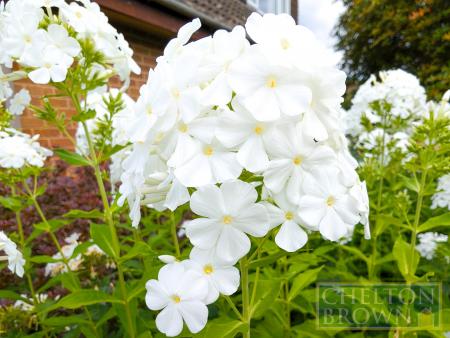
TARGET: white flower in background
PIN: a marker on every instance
(5, 88)
(74, 263)
(428, 243)
(291, 235)
(441, 198)
(18, 149)
(222, 278)
(328, 206)
(19, 102)
(180, 294)
(51, 50)
(396, 96)
(230, 212)
(13, 256)
(28, 306)
(53, 269)
(292, 155)
(268, 90)
(239, 129)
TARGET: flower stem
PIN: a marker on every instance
(233, 307)
(245, 295)
(174, 235)
(112, 228)
(22, 247)
(65, 260)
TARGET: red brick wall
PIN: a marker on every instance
(146, 50)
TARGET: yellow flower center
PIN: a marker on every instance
(79, 15)
(289, 216)
(176, 93)
(182, 127)
(176, 299)
(149, 110)
(27, 38)
(285, 43)
(271, 82)
(259, 129)
(208, 150)
(297, 160)
(208, 269)
(227, 219)
(330, 201)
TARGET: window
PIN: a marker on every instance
(272, 6)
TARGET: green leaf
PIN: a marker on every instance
(101, 235)
(407, 258)
(43, 259)
(6, 294)
(11, 203)
(51, 225)
(267, 260)
(411, 183)
(222, 328)
(266, 293)
(91, 214)
(435, 222)
(139, 249)
(71, 158)
(64, 320)
(356, 252)
(84, 116)
(302, 281)
(81, 298)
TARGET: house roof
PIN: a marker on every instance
(228, 13)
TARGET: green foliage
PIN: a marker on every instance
(410, 34)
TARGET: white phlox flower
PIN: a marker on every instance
(441, 198)
(180, 293)
(18, 149)
(222, 278)
(13, 256)
(19, 102)
(229, 213)
(328, 206)
(428, 243)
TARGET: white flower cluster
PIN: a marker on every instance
(429, 242)
(441, 199)
(28, 306)
(19, 102)
(74, 263)
(219, 108)
(184, 289)
(33, 36)
(18, 149)
(399, 94)
(13, 256)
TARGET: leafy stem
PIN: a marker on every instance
(245, 295)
